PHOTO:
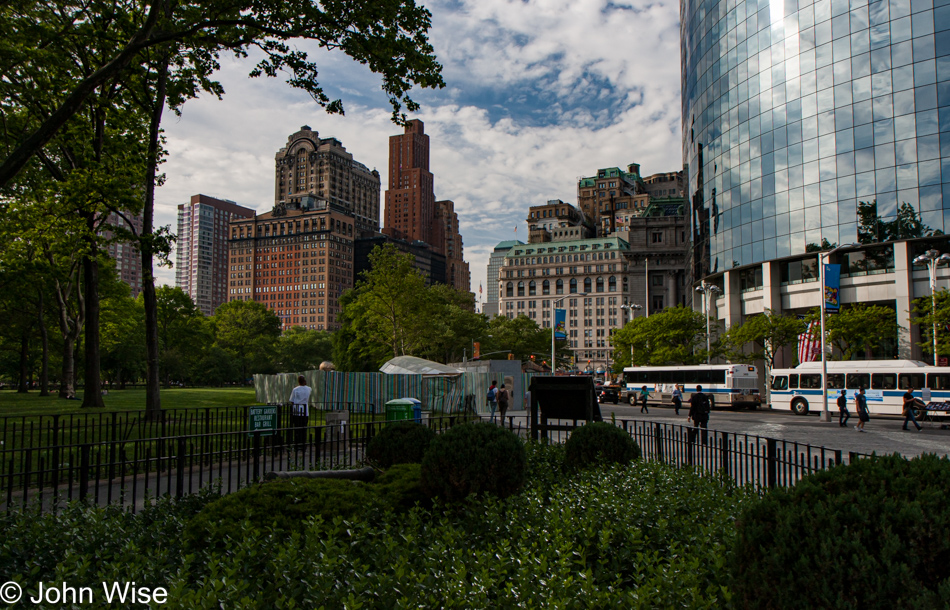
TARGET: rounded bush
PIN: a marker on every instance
(869, 535)
(286, 505)
(599, 442)
(400, 443)
(478, 458)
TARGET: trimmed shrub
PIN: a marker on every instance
(869, 535)
(401, 443)
(479, 458)
(285, 505)
(599, 443)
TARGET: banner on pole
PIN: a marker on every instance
(832, 288)
(560, 316)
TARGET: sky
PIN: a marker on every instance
(538, 93)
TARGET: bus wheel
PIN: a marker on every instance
(712, 403)
(633, 399)
(800, 406)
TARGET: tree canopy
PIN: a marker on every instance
(676, 335)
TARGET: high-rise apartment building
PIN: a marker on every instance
(813, 124)
(495, 262)
(412, 213)
(201, 259)
(296, 259)
(128, 259)
(322, 168)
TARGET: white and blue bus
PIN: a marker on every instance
(727, 385)
(884, 383)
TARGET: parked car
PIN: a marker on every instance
(608, 393)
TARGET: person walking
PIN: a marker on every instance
(698, 413)
(843, 415)
(861, 407)
(493, 399)
(300, 411)
(677, 398)
(644, 394)
(503, 397)
(910, 403)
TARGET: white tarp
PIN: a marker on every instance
(410, 365)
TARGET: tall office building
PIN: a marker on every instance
(128, 259)
(201, 259)
(614, 194)
(412, 213)
(810, 124)
(321, 167)
(495, 262)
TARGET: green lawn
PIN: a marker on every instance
(12, 403)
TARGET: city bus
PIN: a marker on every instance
(727, 385)
(884, 382)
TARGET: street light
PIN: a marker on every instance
(554, 323)
(825, 414)
(706, 288)
(632, 308)
(932, 258)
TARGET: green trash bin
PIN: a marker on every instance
(400, 409)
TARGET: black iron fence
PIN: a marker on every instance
(104, 467)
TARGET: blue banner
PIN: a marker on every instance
(832, 288)
(560, 318)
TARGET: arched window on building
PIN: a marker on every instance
(573, 286)
(612, 284)
(600, 284)
(520, 289)
(559, 287)
(587, 285)
(510, 290)
(532, 288)
(545, 287)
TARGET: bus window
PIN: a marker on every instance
(938, 381)
(780, 382)
(884, 381)
(793, 382)
(859, 380)
(810, 382)
(835, 381)
(910, 381)
(717, 376)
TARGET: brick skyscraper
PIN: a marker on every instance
(412, 213)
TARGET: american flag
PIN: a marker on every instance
(809, 343)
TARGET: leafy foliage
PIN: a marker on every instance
(477, 458)
(286, 505)
(924, 314)
(876, 527)
(861, 330)
(399, 443)
(599, 443)
(247, 330)
(672, 336)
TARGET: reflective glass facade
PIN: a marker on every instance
(797, 111)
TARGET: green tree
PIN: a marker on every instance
(248, 332)
(675, 335)
(301, 349)
(183, 333)
(522, 337)
(860, 331)
(767, 333)
(924, 316)
(122, 337)
(451, 324)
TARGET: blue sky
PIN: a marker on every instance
(538, 93)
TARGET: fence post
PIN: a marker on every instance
(772, 462)
(257, 456)
(724, 453)
(55, 465)
(658, 436)
(180, 478)
(852, 457)
(84, 471)
(837, 457)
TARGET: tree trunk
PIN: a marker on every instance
(153, 405)
(44, 337)
(92, 392)
(22, 387)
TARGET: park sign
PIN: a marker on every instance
(262, 420)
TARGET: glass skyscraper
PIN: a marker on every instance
(803, 119)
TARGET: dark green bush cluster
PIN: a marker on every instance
(399, 443)
(869, 535)
(286, 505)
(479, 458)
(599, 442)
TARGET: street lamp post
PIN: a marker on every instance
(706, 288)
(632, 309)
(554, 323)
(825, 414)
(932, 258)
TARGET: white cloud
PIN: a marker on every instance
(539, 93)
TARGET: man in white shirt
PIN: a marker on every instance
(300, 411)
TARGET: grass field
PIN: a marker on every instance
(133, 399)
